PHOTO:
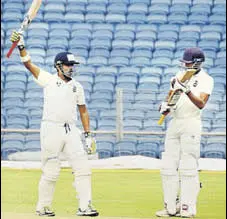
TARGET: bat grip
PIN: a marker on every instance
(161, 120)
(11, 49)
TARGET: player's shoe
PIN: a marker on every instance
(89, 212)
(186, 214)
(46, 212)
(165, 213)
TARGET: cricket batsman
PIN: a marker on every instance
(58, 130)
(179, 168)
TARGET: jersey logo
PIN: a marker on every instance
(58, 83)
(195, 83)
(74, 89)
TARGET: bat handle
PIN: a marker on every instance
(161, 120)
(11, 49)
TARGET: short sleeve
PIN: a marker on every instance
(208, 86)
(80, 95)
(43, 78)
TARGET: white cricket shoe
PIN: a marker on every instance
(186, 214)
(90, 212)
(165, 213)
(45, 212)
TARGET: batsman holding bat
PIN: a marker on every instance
(182, 143)
(58, 130)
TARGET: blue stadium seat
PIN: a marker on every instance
(210, 36)
(217, 19)
(144, 96)
(60, 43)
(128, 35)
(81, 34)
(96, 8)
(75, 8)
(151, 71)
(126, 85)
(94, 18)
(81, 26)
(183, 44)
(190, 28)
(98, 95)
(167, 35)
(149, 149)
(104, 149)
(123, 78)
(125, 148)
(102, 34)
(134, 114)
(103, 86)
(180, 8)
(220, 62)
(132, 124)
(157, 19)
(118, 61)
(219, 9)
(159, 9)
(164, 44)
(143, 44)
(71, 17)
(112, 71)
(117, 8)
(97, 61)
(163, 53)
(103, 26)
(12, 16)
(79, 43)
(137, 8)
(115, 18)
(99, 52)
(141, 53)
(146, 35)
(215, 151)
(147, 27)
(32, 145)
(129, 72)
(122, 44)
(11, 146)
(33, 102)
(35, 122)
(100, 43)
(210, 28)
(177, 18)
(16, 84)
(223, 45)
(167, 2)
(189, 2)
(136, 18)
(21, 120)
(186, 35)
(140, 61)
(108, 114)
(13, 92)
(161, 62)
(53, 17)
(221, 54)
(129, 27)
(55, 7)
(204, 9)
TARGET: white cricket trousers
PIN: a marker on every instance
(56, 138)
(180, 158)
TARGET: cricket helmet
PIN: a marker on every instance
(65, 58)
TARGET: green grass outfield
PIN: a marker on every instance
(116, 194)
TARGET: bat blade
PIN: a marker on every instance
(27, 20)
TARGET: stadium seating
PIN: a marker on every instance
(129, 44)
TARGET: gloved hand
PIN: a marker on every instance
(16, 36)
(90, 143)
(177, 85)
(164, 108)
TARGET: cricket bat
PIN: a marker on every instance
(174, 95)
(27, 20)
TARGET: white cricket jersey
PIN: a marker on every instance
(60, 98)
(199, 83)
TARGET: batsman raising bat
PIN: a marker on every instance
(62, 94)
(189, 93)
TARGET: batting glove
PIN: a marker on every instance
(177, 85)
(16, 36)
(90, 143)
(164, 108)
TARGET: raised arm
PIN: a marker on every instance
(25, 57)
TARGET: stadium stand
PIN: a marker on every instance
(132, 44)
